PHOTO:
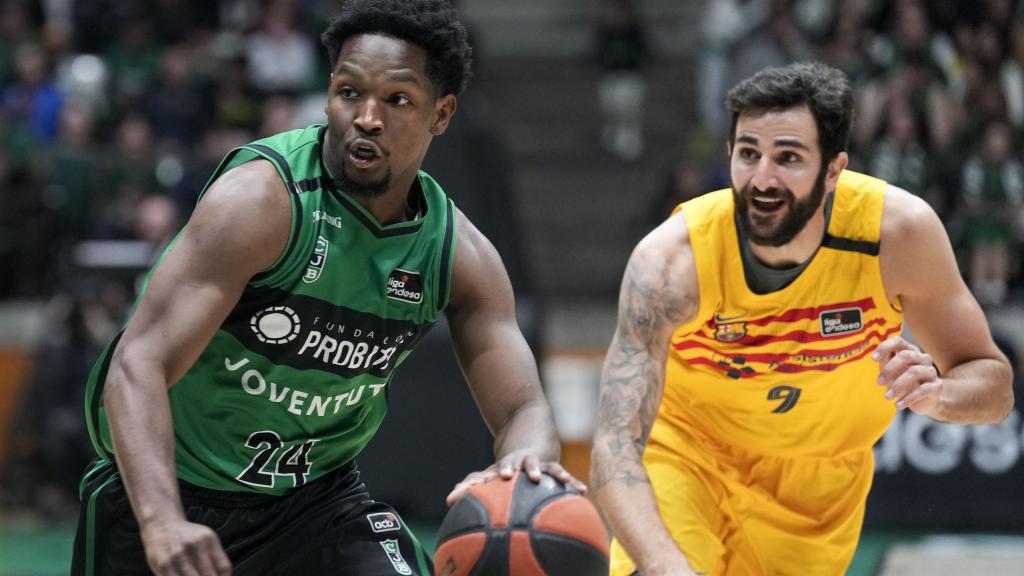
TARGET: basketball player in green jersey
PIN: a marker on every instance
(228, 413)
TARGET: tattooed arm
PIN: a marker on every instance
(659, 292)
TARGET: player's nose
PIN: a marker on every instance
(370, 119)
(765, 176)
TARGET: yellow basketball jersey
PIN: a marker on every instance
(788, 373)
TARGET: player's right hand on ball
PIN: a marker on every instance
(183, 548)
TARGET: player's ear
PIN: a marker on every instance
(444, 109)
(835, 166)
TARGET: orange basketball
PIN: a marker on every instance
(518, 528)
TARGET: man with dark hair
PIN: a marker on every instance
(229, 412)
(758, 355)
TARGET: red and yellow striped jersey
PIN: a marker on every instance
(788, 373)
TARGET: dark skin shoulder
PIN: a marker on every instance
(204, 273)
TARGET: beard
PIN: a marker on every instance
(362, 189)
(771, 230)
(334, 156)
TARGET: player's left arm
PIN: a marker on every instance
(498, 365)
(973, 381)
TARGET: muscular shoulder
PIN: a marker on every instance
(668, 248)
(244, 216)
(471, 244)
(904, 216)
(255, 185)
(911, 233)
(477, 270)
(662, 269)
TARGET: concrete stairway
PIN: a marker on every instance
(581, 210)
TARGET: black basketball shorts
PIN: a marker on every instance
(329, 526)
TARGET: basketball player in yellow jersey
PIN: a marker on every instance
(758, 354)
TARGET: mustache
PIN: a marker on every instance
(768, 193)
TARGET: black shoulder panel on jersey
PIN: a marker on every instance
(293, 193)
(446, 250)
(862, 246)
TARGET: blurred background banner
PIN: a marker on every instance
(585, 123)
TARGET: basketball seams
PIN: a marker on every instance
(523, 559)
(566, 518)
(461, 552)
(569, 540)
(523, 528)
(527, 500)
(542, 504)
(586, 559)
(497, 502)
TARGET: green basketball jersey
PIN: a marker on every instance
(295, 381)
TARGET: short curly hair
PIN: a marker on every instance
(823, 89)
(430, 24)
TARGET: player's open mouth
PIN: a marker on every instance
(767, 205)
(363, 153)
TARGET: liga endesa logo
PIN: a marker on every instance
(839, 322)
(405, 286)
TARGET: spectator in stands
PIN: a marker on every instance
(277, 115)
(777, 42)
(15, 29)
(133, 61)
(32, 102)
(994, 62)
(76, 172)
(235, 104)
(178, 109)
(992, 201)
(280, 58)
(908, 69)
(724, 24)
(900, 156)
(131, 174)
(845, 46)
(916, 80)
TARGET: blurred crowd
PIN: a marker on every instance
(113, 113)
(939, 92)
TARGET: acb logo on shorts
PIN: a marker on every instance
(383, 522)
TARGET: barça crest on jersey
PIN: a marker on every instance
(730, 332)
